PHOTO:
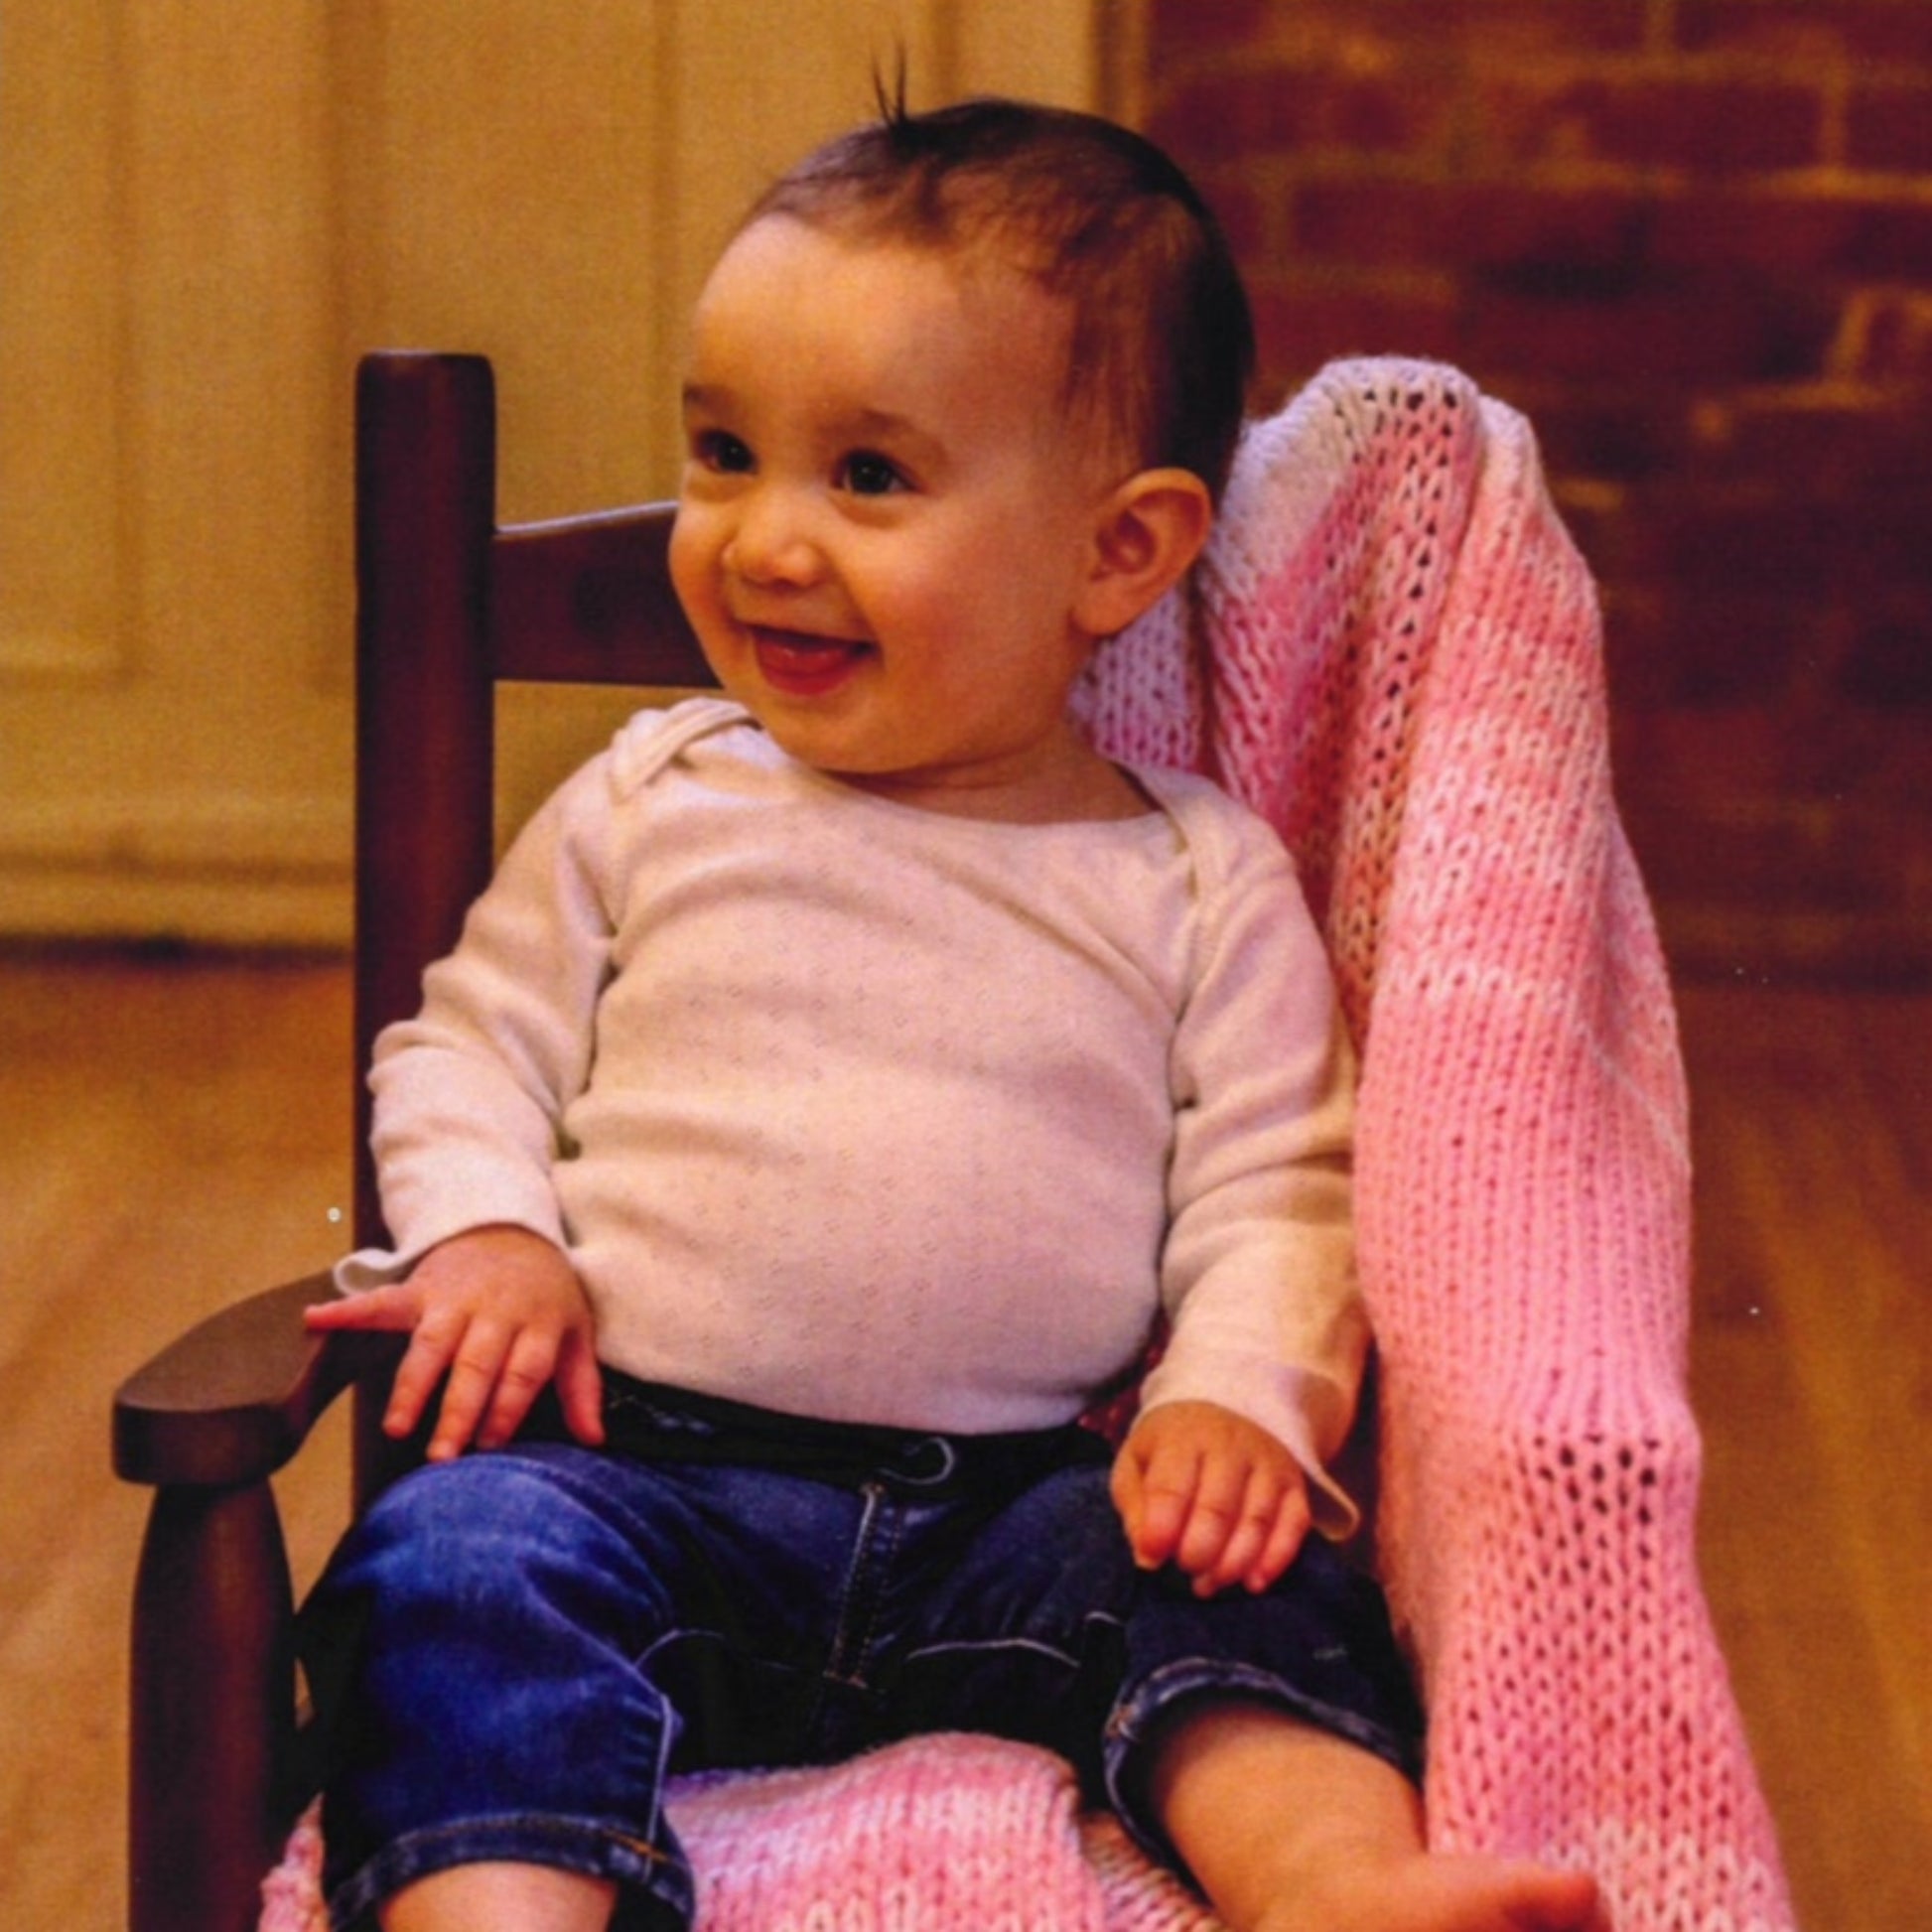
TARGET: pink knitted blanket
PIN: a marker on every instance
(947, 1834)
(1405, 673)
(1393, 651)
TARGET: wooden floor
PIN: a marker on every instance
(173, 1133)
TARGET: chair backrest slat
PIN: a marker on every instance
(589, 599)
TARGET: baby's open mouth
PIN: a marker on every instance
(803, 665)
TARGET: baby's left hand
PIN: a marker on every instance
(1198, 1486)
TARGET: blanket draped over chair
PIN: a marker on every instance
(1392, 650)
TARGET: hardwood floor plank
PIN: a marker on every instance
(172, 1136)
(1812, 1337)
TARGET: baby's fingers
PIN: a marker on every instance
(1154, 1487)
(1293, 1521)
(1216, 1517)
(394, 1309)
(520, 1378)
(580, 1387)
(476, 1368)
(451, 1348)
(1273, 1521)
(398, 1308)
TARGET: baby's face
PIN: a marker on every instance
(886, 516)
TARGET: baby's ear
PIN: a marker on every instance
(1147, 535)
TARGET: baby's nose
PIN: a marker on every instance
(775, 541)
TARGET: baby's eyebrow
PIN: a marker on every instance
(864, 426)
(878, 422)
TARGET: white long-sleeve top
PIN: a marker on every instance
(850, 1109)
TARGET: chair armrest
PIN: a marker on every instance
(233, 1400)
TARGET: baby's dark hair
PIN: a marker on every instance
(1163, 343)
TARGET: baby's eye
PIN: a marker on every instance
(868, 474)
(720, 450)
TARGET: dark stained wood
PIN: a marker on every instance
(590, 601)
(212, 1719)
(425, 510)
(233, 1399)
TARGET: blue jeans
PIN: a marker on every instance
(510, 1653)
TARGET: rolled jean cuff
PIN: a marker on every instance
(1146, 1710)
(654, 1887)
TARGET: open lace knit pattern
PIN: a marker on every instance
(1404, 671)
(1392, 650)
(949, 1833)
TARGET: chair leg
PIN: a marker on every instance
(214, 1708)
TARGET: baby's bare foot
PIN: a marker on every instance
(1441, 1894)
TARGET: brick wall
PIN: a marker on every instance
(1693, 238)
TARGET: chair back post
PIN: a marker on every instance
(425, 517)
(425, 512)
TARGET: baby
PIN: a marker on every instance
(835, 1087)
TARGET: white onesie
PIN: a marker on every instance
(850, 1109)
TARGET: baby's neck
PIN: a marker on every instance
(1080, 789)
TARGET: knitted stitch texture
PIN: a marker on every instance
(1403, 671)
(945, 1834)
(1392, 650)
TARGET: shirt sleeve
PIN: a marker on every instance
(1258, 1273)
(470, 1093)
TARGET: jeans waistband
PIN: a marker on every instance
(654, 1421)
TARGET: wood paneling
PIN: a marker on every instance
(206, 215)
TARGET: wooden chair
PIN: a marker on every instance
(448, 604)
(1392, 650)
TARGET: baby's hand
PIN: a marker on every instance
(1198, 1485)
(502, 1312)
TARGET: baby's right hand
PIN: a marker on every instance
(502, 1312)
